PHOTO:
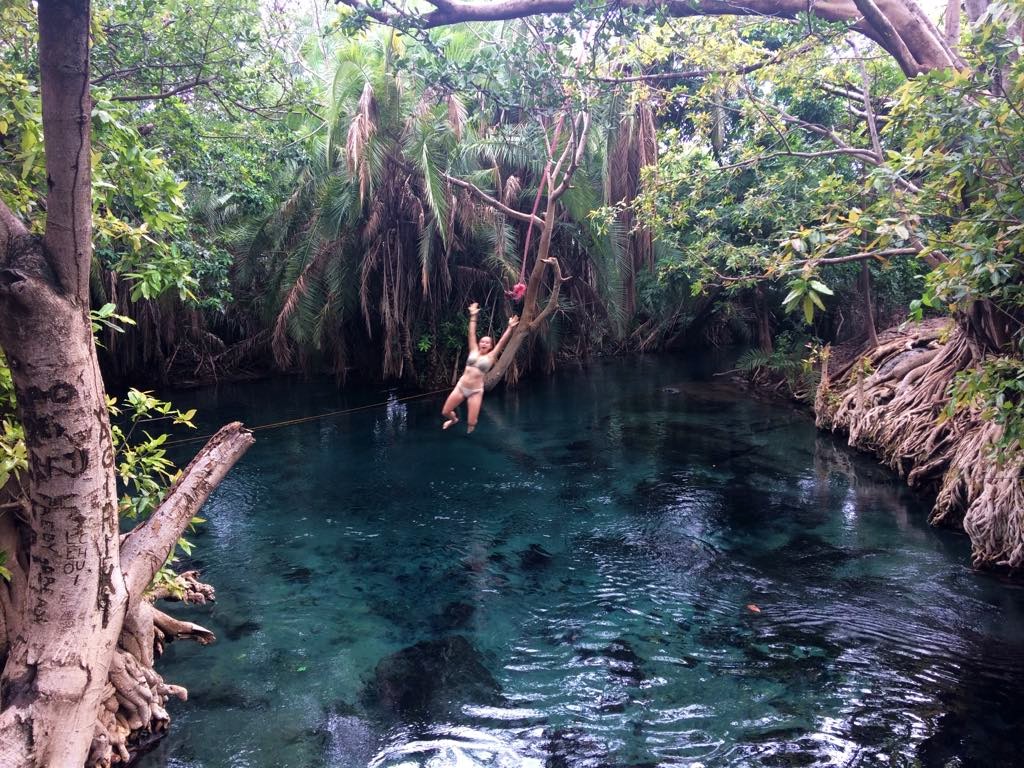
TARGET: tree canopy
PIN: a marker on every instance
(206, 188)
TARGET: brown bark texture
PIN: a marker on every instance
(899, 26)
(533, 316)
(77, 635)
(888, 400)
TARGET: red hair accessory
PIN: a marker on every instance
(517, 292)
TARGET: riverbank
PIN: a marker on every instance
(891, 400)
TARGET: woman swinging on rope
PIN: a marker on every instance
(481, 359)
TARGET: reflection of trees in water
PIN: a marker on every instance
(868, 486)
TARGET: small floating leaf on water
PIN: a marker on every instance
(753, 608)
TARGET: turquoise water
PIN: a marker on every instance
(627, 566)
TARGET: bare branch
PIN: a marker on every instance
(166, 94)
(893, 24)
(861, 154)
(951, 25)
(581, 147)
(146, 548)
(798, 266)
(869, 112)
(843, 148)
(891, 39)
(837, 90)
(491, 201)
(552, 304)
(884, 253)
(692, 74)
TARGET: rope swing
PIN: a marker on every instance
(304, 419)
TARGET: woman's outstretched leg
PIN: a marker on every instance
(473, 408)
(448, 409)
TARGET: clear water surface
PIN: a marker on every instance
(630, 565)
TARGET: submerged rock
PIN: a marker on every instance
(298, 575)
(622, 661)
(430, 677)
(535, 557)
(572, 748)
(223, 696)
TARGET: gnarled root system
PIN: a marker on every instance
(890, 400)
(133, 712)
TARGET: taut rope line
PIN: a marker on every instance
(304, 419)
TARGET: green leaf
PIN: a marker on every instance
(820, 287)
(793, 296)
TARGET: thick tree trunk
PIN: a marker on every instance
(70, 616)
(52, 681)
(532, 317)
(764, 322)
(61, 615)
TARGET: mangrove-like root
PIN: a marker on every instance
(188, 589)
(891, 400)
(134, 710)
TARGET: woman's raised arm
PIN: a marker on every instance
(474, 309)
(512, 323)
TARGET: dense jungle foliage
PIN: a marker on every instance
(319, 192)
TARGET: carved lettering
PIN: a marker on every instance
(39, 611)
(71, 464)
(60, 393)
(63, 501)
(76, 537)
(43, 427)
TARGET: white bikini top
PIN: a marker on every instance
(482, 363)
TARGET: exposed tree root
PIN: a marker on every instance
(193, 591)
(889, 401)
(134, 709)
(130, 712)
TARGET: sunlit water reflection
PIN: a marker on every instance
(628, 566)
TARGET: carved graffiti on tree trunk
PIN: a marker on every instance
(77, 636)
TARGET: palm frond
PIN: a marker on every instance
(434, 187)
(300, 289)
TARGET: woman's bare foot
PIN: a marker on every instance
(453, 420)
(470, 428)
